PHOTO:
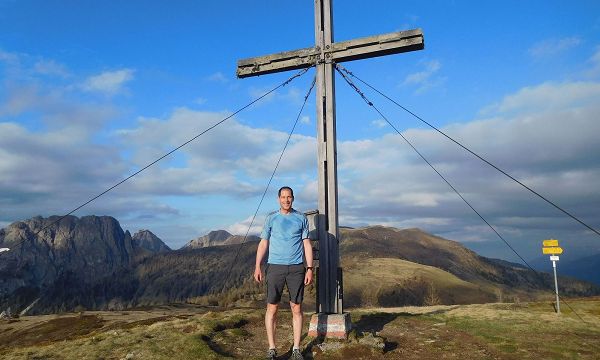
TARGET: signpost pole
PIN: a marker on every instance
(551, 247)
(556, 287)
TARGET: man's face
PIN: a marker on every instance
(285, 200)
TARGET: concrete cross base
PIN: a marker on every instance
(335, 326)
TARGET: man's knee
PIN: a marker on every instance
(296, 308)
(272, 308)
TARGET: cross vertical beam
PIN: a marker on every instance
(328, 282)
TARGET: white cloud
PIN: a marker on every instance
(54, 162)
(411, 20)
(47, 173)
(19, 99)
(553, 47)
(51, 67)
(431, 67)
(218, 77)
(547, 97)
(108, 82)
(379, 123)
(256, 93)
(241, 228)
(293, 95)
(594, 60)
(305, 120)
(289, 95)
(225, 160)
(596, 57)
(425, 79)
(9, 57)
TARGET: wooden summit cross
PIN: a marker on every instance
(323, 56)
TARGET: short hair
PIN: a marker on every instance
(285, 188)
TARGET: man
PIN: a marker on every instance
(285, 238)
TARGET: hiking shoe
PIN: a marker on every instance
(296, 355)
(271, 354)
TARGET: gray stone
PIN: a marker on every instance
(6, 314)
(371, 340)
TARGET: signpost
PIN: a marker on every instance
(551, 247)
(552, 250)
(551, 242)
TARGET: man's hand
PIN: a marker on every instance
(258, 276)
(308, 277)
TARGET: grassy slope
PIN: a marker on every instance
(374, 276)
(499, 331)
(492, 280)
(390, 267)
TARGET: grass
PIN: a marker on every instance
(501, 331)
(368, 276)
(535, 326)
(189, 338)
(153, 342)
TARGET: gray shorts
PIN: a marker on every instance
(277, 276)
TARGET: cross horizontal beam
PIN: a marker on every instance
(362, 48)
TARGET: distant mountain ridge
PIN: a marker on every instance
(92, 263)
(50, 253)
(420, 247)
(585, 267)
(486, 279)
(218, 238)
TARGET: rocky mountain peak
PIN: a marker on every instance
(218, 238)
(91, 246)
(213, 238)
(145, 239)
(218, 235)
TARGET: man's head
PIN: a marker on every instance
(286, 198)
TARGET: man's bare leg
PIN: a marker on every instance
(297, 318)
(270, 323)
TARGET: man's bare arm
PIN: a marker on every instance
(263, 246)
(308, 254)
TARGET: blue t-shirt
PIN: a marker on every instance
(285, 233)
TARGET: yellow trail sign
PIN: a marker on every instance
(552, 250)
(551, 242)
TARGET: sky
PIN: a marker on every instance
(91, 92)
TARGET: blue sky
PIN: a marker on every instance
(91, 91)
